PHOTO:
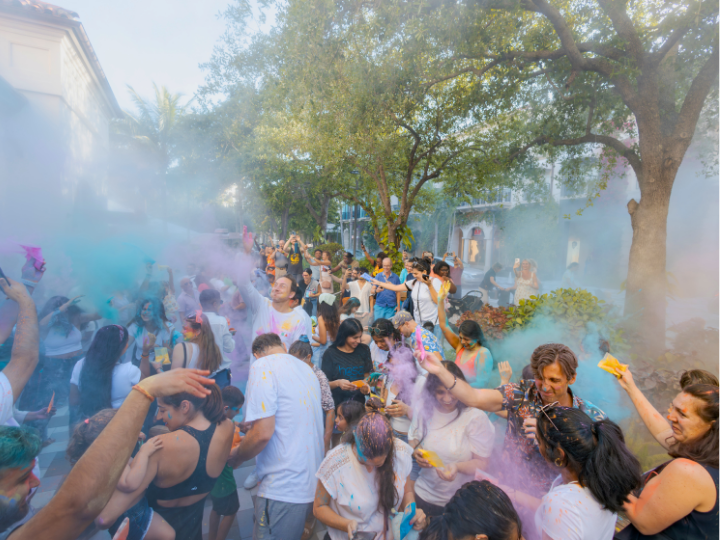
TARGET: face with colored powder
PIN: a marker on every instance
(174, 418)
(189, 333)
(553, 386)
(466, 342)
(445, 401)
(16, 485)
(147, 312)
(686, 423)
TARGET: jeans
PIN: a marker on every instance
(384, 312)
(275, 520)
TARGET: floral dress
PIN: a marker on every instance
(524, 289)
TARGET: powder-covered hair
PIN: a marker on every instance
(428, 402)
(372, 438)
(402, 369)
(18, 446)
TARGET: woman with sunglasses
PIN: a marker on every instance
(382, 336)
(596, 475)
(477, 511)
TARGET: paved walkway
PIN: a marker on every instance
(54, 467)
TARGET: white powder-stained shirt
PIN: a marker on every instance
(570, 512)
(266, 319)
(6, 399)
(354, 490)
(282, 386)
(455, 438)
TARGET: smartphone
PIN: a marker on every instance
(363, 535)
(426, 276)
(2, 275)
(517, 261)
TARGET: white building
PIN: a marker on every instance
(48, 66)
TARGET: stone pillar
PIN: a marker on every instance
(489, 231)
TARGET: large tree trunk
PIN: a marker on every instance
(285, 221)
(646, 287)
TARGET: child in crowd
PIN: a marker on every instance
(348, 414)
(144, 524)
(349, 308)
(224, 495)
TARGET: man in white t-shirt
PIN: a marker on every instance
(276, 315)
(286, 438)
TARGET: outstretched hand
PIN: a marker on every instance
(175, 381)
(505, 372)
(30, 273)
(625, 379)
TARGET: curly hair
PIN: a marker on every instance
(550, 353)
(86, 432)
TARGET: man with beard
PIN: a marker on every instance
(19, 448)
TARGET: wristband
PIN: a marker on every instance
(143, 392)
(454, 383)
(29, 283)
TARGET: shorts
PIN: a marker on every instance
(226, 506)
(186, 520)
(140, 516)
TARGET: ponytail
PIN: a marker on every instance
(211, 406)
(594, 451)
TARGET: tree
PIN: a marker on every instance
(630, 78)
(345, 112)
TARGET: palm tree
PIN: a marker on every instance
(151, 132)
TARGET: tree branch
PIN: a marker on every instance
(616, 11)
(695, 98)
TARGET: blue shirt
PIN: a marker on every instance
(385, 298)
(430, 342)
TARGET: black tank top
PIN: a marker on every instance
(695, 526)
(199, 481)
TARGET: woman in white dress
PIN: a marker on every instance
(526, 281)
(363, 479)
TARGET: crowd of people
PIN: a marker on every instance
(356, 412)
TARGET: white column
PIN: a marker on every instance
(489, 230)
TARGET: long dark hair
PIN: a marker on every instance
(472, 330)
(476, 508)
(158, 311)
(210, 356)
(211, 406)
(594, 451)
(348, 328)
(331, 317)
(703, 450)
(428, 400)
(373, 437)
(95, 382)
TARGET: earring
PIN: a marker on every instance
(560, 465)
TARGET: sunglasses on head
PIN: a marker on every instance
(549, 406)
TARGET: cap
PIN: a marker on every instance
(400, 318)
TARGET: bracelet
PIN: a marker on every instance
(143, 355)
(143, 392)
(29, 283)
(454, 383)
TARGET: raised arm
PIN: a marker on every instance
(343, 283)
(10, 309)
(26, 346)
(484, 399)
(389, 286)
(431, 288)
(369, 257)
(658, 426)
(457, 262)
(451, 337)
(92, 481)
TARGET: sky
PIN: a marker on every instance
(139, 42)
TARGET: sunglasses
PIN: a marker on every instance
(549, 406)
